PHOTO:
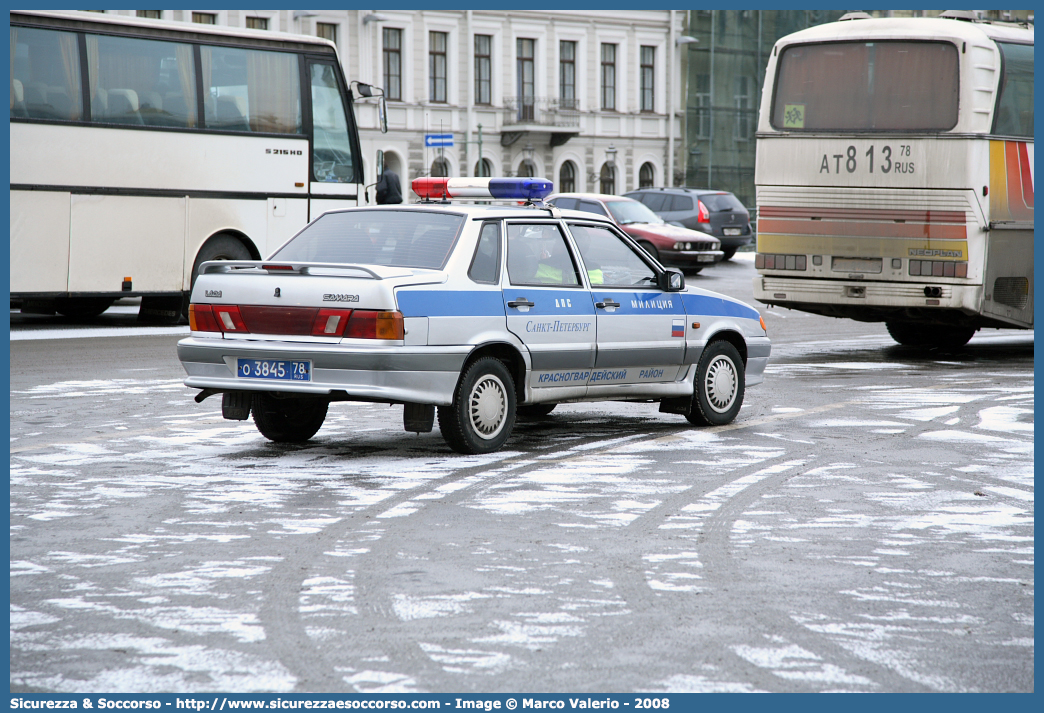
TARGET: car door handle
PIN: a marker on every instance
(521, 302)
(607, 303)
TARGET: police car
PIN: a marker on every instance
(477, 313)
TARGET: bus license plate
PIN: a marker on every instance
(277, 369)
(732, 231)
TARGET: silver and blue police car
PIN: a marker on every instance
(477, 313)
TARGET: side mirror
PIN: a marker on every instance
(671, 280)
(382, 114)
(380, 164)
(365, 90)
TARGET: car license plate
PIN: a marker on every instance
(277, 369)
(705, 258)
(733, 231)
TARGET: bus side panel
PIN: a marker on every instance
(39, 241)
(286, 216)
(113, 237)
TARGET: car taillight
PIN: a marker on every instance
(201, 318)
(331, 322)
(365, 324)
(704, 216)
(229, 319)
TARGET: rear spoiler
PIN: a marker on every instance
(324, 269)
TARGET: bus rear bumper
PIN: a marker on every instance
(873, 301)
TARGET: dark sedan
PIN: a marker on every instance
(717, 213)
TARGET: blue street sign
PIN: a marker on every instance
(438, 139)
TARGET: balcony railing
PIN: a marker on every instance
(545, 111)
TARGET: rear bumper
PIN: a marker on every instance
(402, 374)
(690, 258)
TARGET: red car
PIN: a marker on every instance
(672, 245)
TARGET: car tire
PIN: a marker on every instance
(651, 249)
(718, 391)
(483, 410)
(729, 252)
(82, 307)
(288, 420)
(535, 411)
(913, 334)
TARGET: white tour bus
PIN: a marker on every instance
(895, 175)
(140, 149)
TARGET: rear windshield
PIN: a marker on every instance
(717, 202)
(391, 238)
(627, 212)
(1014, 116)
(866, 86)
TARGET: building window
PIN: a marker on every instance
(483, 69)
(648, 73)
(567, 177)
(440, 168)
(744, 109)
(607, 179)
(646, 175)
(153, 14)
(437, 66)
(484, 168)
(526, 169)
(703, 106)
(204, 18)
(608, 77)
(567, 74)
(257, 23)
(393, 63)
(327, 31)
(526, 78)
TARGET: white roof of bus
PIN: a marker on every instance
(910, 28)
(216, 30)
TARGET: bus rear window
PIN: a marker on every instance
(866, 86)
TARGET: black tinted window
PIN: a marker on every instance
(681, 203)
(376, 237)
(655, 201)
(565, 203)
(721, 201)
(591, 207)
(1015, 105)
(485, 264)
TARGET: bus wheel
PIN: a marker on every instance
(288, 420)
(718, 392)
(220, 247)
(535, 411)
(82, 307)
(483, 411)
(650, 248)
(914, 334)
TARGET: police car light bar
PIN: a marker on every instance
(521, 189)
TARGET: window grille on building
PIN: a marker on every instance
(646, 175)
(393, 63)
(525, 49)
(257, 23)
(608, 76)
(567, 74)
(204, 18)
(607, 179)
(567, 177)
(437, 66)
(648, 75)
(483, 69)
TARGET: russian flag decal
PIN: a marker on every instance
(678, 328)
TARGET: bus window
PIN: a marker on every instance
(332, 158)
(251, 90)
(141, 82)
(867, 86)
(45, 75)
(1014, 116)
